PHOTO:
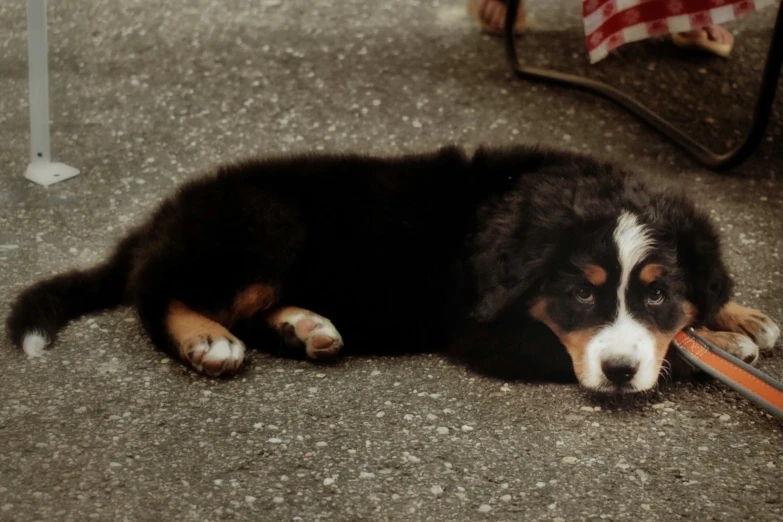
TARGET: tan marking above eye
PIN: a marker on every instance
(595, 274)
(650, 273)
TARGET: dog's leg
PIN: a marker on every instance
(206, 344)
(305, 331)
(749, 322)
(743, 332)
(737, 344)
(197, 335)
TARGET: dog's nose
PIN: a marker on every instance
(619, 371)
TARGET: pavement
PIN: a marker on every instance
(147, 94)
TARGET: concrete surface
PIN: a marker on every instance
(147, 94)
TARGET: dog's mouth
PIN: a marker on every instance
(611, 388)
(607, 377)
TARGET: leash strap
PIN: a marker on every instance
(755, 385)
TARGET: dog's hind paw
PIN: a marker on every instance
(301, 328)
(216, 356)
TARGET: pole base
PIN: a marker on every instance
(45, 173)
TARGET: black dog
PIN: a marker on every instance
(523, 263)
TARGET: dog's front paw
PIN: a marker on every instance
(738, 345)
(752, 323)
(764, 332)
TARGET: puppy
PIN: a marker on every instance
(522, 263)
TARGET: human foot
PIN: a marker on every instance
(715, 39)
(491, 15)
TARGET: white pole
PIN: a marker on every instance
(41, 169)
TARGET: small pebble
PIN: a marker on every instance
(277, 500)
(275, 440)
(320, 444)
(506, 498)
(250, 499)
(484, 508)
(380, 414)
(467, 428)
(570, 460)
(442, 430)
(436, 490)
(328, 481)
(724, 417)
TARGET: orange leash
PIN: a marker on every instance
(755, 385)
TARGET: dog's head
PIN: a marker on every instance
(615, 275)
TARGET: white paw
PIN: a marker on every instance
(216, 357)
(742, 347)
(320, 338)
(767, 334)
(33, 344)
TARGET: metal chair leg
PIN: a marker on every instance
(702, 154)
(41, 168)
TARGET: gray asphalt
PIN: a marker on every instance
(148, 94)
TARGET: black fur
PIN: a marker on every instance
(425, 252)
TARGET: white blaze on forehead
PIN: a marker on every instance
(633, 242)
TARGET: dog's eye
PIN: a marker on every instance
(655, 296)
(585, 295)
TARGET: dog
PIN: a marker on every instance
(522, 263)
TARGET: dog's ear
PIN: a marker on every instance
(514, 254)
(699, 256)
(520, 235)
(503, 277)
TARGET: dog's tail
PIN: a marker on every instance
(40, 311)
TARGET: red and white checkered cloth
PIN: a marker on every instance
(612, 23)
